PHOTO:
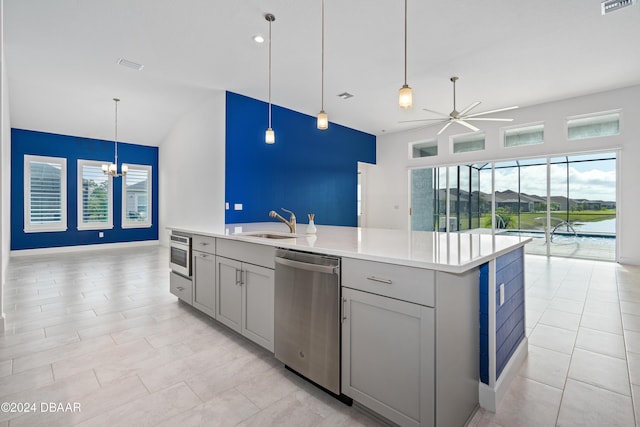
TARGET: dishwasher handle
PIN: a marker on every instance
(327, 269)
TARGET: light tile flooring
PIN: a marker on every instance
(100, 329)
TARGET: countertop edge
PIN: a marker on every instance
(447, 268)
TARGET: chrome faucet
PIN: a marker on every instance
(292, 220)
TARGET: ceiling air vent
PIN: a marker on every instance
(609, 6)
(130, 64)
(345, 95)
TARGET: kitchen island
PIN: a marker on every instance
(432, 323)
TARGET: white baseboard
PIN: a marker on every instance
(83, 248)
(490, 397)
(629, 261)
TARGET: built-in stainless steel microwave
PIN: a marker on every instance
(180, 258)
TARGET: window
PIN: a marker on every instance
(466, 143)
(95, 196)
(528, 135)
(603, 124)
(45, 194)
(136, 197)
(424, 149)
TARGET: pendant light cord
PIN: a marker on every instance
(322, 85)
(405, 42)
(270, 20)
(116, 133)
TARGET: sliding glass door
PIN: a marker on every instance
(567, 203)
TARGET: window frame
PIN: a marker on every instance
(148, 223)
(108, 224)
(466, 138)
(47, 227)
(505, 130)
(593, 115)
(429, 143)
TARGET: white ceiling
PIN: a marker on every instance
(61, 58)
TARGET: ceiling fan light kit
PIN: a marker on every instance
(462, 117)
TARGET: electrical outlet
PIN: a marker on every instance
(501, 293)
(237, 207)
(226, 205)
(101, 234)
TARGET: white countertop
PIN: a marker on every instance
(450, 252)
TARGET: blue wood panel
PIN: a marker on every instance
(484, 323)
(510, 326)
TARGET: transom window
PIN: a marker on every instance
(594, 125)
(526, 135)
(466, 143)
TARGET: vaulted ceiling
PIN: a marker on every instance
(62, 72)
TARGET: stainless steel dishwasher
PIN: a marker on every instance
(307, 317)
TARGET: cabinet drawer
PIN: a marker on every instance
(204, 244)
(181, 287)
(252, 253)
(410, 284)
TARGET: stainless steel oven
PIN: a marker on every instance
(180, 258)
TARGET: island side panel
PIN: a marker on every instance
(457, 347)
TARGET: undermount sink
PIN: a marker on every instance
(269, 235)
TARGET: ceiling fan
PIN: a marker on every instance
(461, 117)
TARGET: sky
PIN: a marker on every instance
(594, 180)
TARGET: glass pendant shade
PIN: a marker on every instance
(270, 136)
(323, 120)
(405, 98)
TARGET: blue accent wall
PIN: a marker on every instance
(74, 148)
(307, 170)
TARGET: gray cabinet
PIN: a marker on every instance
(204, 285)
(388, 357)
(229, 293)
(181, 287)
(245, 299)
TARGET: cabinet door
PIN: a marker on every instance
(258, 295)
(204, 282)
(229, 293)
(388, 357)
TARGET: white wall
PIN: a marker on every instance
(5, 170)
(388, 185)
(191, 166)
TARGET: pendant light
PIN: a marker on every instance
(112, 168)
(323, 118)
(405, 98)
(269, 136)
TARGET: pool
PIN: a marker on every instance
(608, 240)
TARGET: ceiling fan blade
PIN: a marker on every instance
(493, 111)
(469, 108)
(444, 127)
(421, 120)
(489, 119)
(470, 126)
(436, 112)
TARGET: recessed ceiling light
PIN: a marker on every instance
(258, 39)
(345, 95)
(130, 64)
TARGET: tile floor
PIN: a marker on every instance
(101, 329)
